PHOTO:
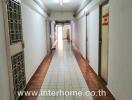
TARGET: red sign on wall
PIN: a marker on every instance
(105, 19)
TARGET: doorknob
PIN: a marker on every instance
(100, 42)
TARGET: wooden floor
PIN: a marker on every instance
(37, 79)
(93, 81)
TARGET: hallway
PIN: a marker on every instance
(64, 74)
(65, 49)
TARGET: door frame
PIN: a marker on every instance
(100, 40)
(7, 37)
(87, 14)
(9, 48)
(86, 37)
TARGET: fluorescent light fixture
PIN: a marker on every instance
(61, 2)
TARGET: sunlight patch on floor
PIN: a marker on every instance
(60, 41)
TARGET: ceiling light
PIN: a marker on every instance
(61, 2)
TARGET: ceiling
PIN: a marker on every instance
(68, 5)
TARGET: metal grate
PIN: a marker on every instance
(18, 69)
(14, 21)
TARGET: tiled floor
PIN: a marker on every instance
(64, 74)
(93, 81)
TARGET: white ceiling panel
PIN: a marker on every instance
(68, 5)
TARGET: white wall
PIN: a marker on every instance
(120, 49)
(34, 31)
(74, 26)
(56, 15)
(81, 35)
(53, 34)
(48, 35)
(4, 82)
(73, 32)
(93, 38)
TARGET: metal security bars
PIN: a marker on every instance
(14, 37)
(18, 69)
(14, 21)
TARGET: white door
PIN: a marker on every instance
(104, 46)
(15, 46)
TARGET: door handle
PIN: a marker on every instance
(100, 42)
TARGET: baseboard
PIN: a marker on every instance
(94, 82)
(40, 74)
(49, 53)
(87, 61)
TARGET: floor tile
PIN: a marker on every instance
(64, 74)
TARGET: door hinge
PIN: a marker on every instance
(100, 42)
